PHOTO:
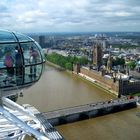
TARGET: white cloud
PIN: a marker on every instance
(123, 14)
(73, 15)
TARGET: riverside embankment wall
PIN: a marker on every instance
(104, 81)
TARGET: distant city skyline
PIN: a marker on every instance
(70, 16)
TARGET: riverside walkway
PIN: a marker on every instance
(72, 114)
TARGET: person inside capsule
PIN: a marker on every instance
(9, 63)
(19, 65)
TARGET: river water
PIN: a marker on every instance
(59, 89)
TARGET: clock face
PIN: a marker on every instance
(21, 61)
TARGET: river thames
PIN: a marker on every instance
(59, 89)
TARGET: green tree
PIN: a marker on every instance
(68, 66)
(66, 62)
(131, 65)
(83, 61)
(118, 61)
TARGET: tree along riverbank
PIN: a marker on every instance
(66, 62)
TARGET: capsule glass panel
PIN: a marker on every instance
(22, 38)
(7, 37)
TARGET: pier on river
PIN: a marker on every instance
(77, 113)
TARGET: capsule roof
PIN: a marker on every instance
(9, 36)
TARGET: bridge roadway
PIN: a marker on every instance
(76, 113)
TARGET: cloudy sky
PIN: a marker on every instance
(70, 15)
